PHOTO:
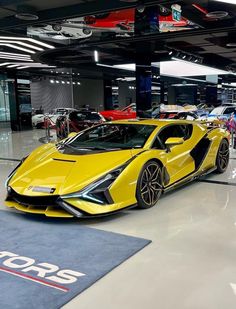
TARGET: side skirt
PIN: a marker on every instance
(188, 179)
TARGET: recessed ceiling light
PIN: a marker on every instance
(26, 12)
(26, 16)
(217, 14)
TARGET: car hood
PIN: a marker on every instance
(47, 168)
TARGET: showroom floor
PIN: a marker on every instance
(190, 263)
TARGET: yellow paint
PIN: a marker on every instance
(41, 169)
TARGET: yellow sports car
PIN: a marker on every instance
(114, 166)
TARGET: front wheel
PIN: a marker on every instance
(149, 185)
(222, 159)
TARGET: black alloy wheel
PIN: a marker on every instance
(222, 159)
(149, 186)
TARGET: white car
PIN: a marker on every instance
(223, 112)
(38, 121)
(66, 30)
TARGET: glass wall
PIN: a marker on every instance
(4, 101)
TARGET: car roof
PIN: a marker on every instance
(155, 122)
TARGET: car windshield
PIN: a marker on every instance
(81, 116)
(131, 107)
(217, 111)
(112, 136)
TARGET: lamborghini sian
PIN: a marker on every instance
(116, 165)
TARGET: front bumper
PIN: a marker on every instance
(55, 206)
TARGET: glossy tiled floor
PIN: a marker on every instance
(191, 261)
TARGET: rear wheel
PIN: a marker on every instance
(149, 186)
(222, 159)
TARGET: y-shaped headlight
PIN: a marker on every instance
(98, 191)
(13, 172)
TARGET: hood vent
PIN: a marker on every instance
(63, 160)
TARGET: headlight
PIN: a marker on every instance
(13, 172)
(98, 191)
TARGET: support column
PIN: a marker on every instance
(14, 106)
(146, 21)
(108, 101)
(143, 87)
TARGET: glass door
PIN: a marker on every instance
(4, 102)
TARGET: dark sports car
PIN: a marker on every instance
(77, 121)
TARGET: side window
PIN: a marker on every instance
(184, 131)
(230, 110)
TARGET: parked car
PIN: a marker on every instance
(77, 121)
(116, 165)
(128, 112)
(38, 120)
(188, 112)
(223, 112)
(65, 30)
(177, 115)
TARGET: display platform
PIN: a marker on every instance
(44, 264)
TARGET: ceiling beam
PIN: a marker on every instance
(76, 10)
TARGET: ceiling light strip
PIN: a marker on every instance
(24, 67)
(4, 63)
(12, 65)
(15, 55)
(15, 58)
(27, 39)
(18, 47)
(22, 44)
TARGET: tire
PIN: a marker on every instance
(222, 159)
(87, 31)
(57, 27)
(149, 185)
(39, 125)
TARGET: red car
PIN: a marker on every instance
(128, 112)
(124, 20)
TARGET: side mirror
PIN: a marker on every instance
(72, 134)
(173, 141)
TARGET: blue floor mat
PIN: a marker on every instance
(45, 263)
